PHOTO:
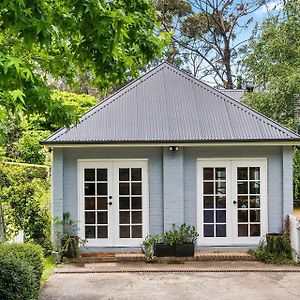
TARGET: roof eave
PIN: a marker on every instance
(262, 142)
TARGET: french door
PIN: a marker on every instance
(232, 201)
(113, 202)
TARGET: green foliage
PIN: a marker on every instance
(103, 40)
(49, 265)
(30, 148)
(272, 60)
(148, 246)
(25, 201)
(16, 280)
(20, 272)
(68, 237)
(31, 253)
(178, 235)
(276, 250)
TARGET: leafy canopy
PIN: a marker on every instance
(273, 62)
(104, 40)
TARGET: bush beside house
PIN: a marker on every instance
(21, 271)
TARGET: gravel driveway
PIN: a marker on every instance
(249, 281)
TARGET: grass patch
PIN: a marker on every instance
(49, 265)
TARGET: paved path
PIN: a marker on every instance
(246, 280)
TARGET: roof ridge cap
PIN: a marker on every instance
(232, 101)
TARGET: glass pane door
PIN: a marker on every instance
(249, 201)
(214, 202)
(130, 203)
(96, 218)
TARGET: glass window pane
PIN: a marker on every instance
(89, 189)
(220, 187)
(136, 202)
(208, 201)
(208, 173)
(255, 173)
(242, 187)
(137, 231)
(136, 174)
(90, 218)
(102, 174)
(124, 231)
(221, 230)
(208, 188)
(254, 229)
(124, 189)
(254, 188)
(102, 232)
(124, 217)
(102, 203)
(208, 216)
(89, 174)
(136, 188)
(89, 203)
(254, 215)
(101, 188)
(221, 216)
(243, 230)
(243, 215)
(136, 217)
(242, 173)
(124, 203)
(255, 201)
(124, 174)
(90, 232)
(242, 201)
(221, 201)
(220, 174)
(102, 217)
(208, 230)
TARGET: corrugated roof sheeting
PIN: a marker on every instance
(167, 104)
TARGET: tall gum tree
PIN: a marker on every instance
(204, 39)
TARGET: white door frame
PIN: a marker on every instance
(231, 209)
(113, 211)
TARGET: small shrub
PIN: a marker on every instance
(21, 271)
(275, 249)
(30, 253)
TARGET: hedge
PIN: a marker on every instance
(21, 271)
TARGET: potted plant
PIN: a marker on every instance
(70, 241)
(180, 241)
(185, 244)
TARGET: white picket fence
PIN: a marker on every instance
(295, 237)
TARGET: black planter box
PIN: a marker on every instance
(161, 250)
(185, 250)
(182, 250)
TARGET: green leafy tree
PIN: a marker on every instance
(106, 40)
(272, 62)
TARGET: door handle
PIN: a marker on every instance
(110, 203)
(110, 197)
(234, 202)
